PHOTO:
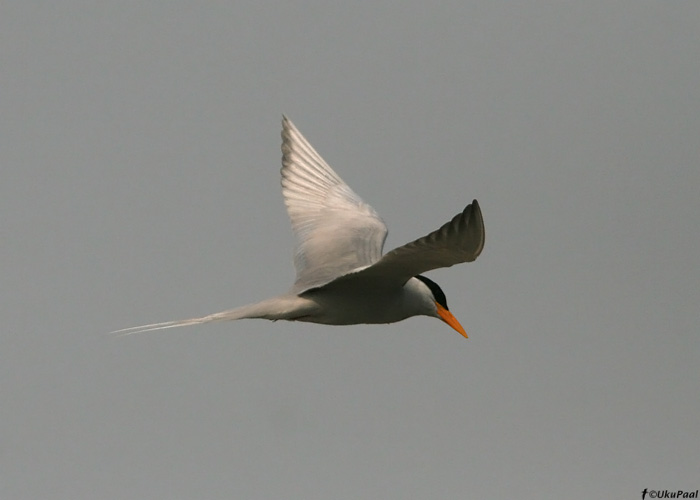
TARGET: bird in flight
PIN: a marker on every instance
(342, 278)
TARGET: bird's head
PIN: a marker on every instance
(441, 310)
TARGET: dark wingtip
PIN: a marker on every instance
(476, 224)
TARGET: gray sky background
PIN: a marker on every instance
(139, 167)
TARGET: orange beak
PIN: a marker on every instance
(449, 318)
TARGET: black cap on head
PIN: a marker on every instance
(437, 291)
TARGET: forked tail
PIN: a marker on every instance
(288, 307)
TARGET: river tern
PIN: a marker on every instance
(342, 278)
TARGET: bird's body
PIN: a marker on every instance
(342, 277)
(343, 303)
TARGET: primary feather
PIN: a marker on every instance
(336, 232)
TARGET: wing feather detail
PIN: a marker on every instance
(336, 232)
(459, 240)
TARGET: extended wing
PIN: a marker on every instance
(336, 231)
(460, 240)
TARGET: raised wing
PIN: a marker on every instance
(336, 231)
(460, 240)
